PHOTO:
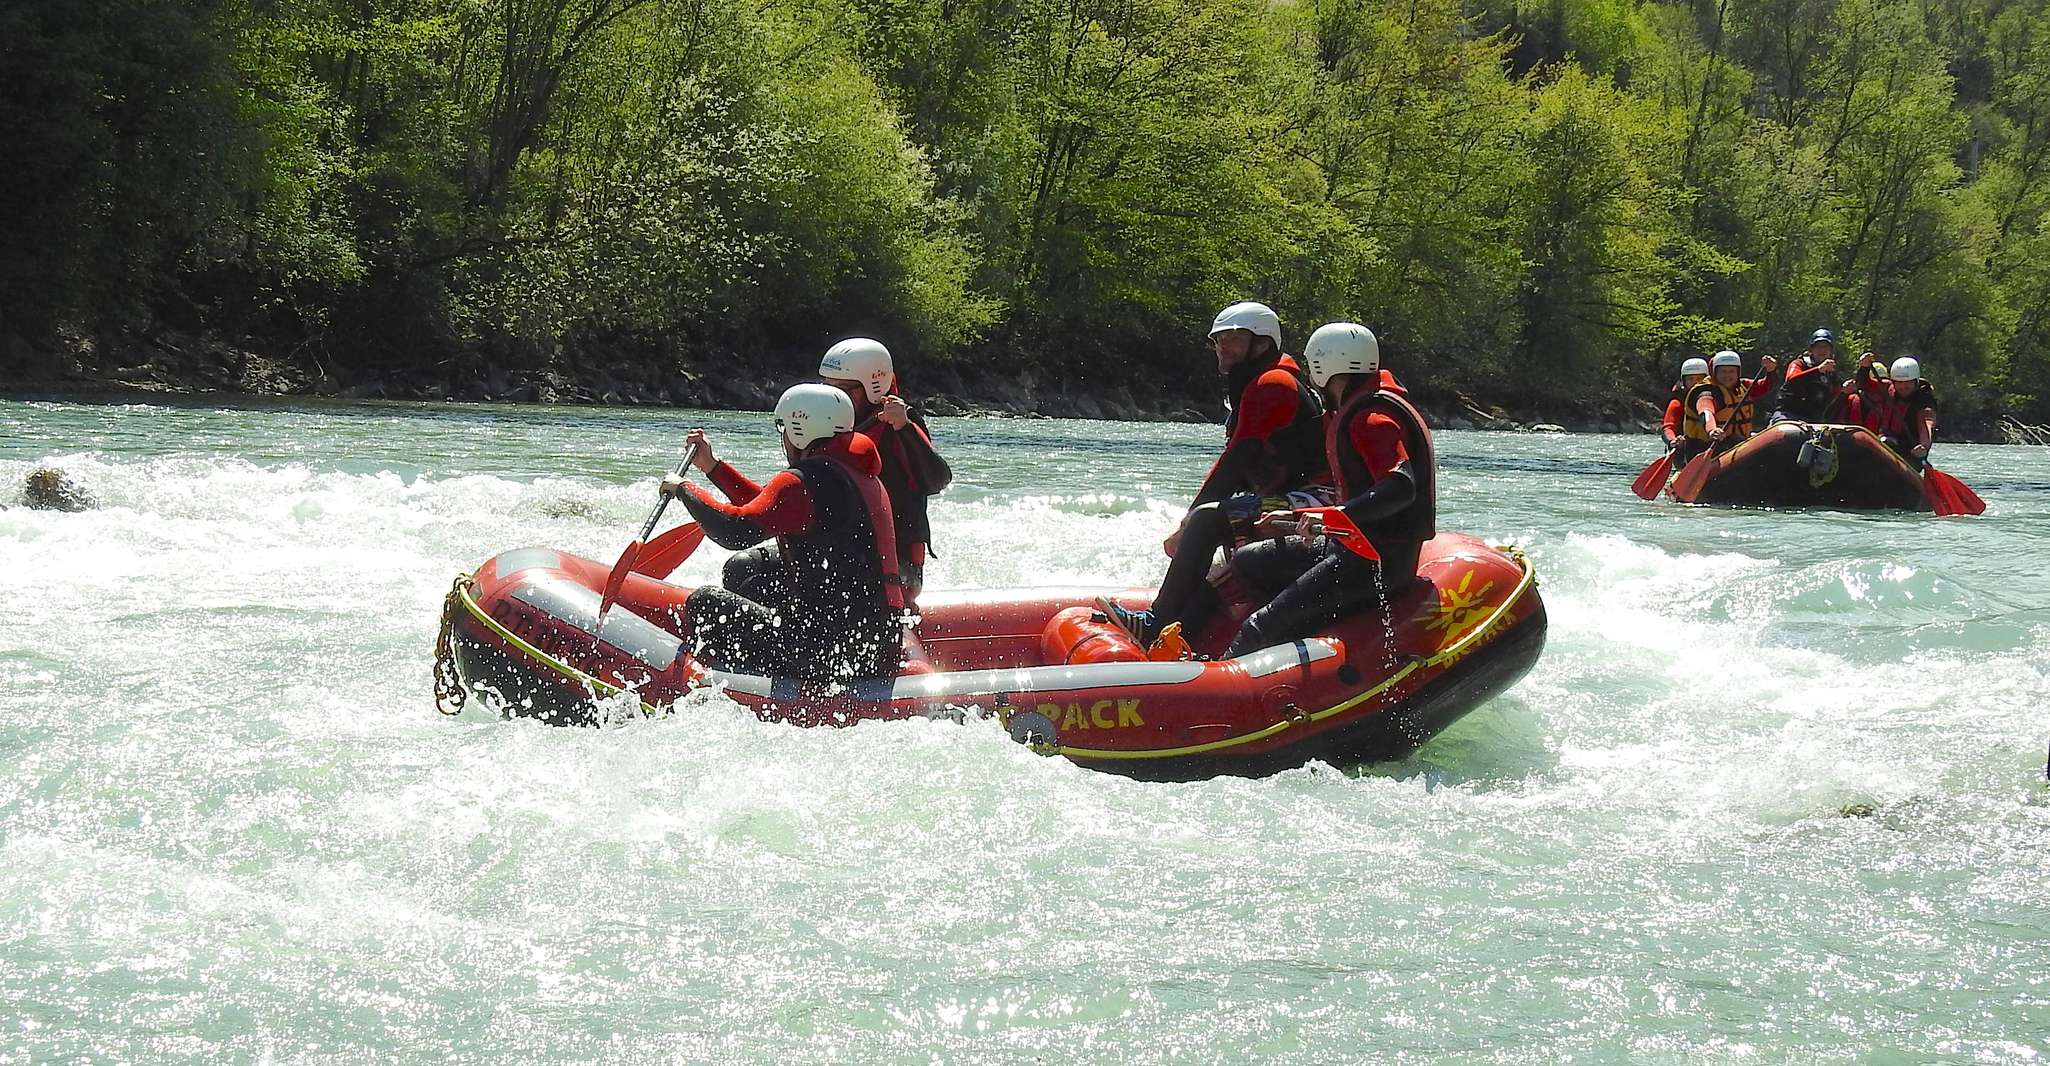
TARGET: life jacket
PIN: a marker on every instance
(1896, 416)
(1804, 396)
(846, 567)
(1415, 523)
(1727, 401)
(1294, 454)
(901, 479)
(1871, 394)
(1676, 408)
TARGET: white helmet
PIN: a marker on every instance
(1247, 315)
(811, 412)
(1696, 365)
(860, 359)
(1341, 348)
(1906, 368)
(1726, 357)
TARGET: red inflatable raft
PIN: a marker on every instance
(518, 632)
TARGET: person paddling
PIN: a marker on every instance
(912, 469)
(1719, 408)
(1379, 447)
(828, 605)
(1806, 394)
(1905, 416)
(1692, 372)
(1273, 456)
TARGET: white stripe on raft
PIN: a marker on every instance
(1062, 678)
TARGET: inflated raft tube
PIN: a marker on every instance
(1799, 464)
(519, 633)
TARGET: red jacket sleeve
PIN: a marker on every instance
(736, 485)
(1674, 415)
(1796, 370)
(1378, 439)
(1267, 405)
(780, 508)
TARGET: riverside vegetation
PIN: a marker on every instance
(1541, 205)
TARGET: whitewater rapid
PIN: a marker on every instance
(1774, 792)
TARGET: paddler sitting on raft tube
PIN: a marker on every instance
(912, 470)
(1692, 372)
(1273, 455)
(1860, 395)
(828, 606)
(1380, 449)
(1719, 409)
(1904, 416)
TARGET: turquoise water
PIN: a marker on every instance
(233, 828)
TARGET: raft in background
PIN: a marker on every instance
(1799, 464)
(519, 633)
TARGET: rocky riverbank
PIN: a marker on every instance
(180, 364)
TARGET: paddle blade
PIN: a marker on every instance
(665, 553)
(1687, 487)
(1949, 496)
(1653, 478)
(1336, 524)
(617, 578)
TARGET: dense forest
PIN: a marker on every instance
(1532, 201)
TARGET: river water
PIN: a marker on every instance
(1775, 791)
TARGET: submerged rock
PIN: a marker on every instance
(568, 507)
(48, 489)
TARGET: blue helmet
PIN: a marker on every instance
(1824, 336)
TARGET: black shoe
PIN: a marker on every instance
(1140, 624)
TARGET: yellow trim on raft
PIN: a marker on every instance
(1444, 655)
(602, 688)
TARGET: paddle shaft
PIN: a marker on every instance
(627, 558)
(690, 453)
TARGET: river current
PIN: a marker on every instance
(1775, 792)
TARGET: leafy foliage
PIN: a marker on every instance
(1550, 200)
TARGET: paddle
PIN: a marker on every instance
(667, 552)
(1693, 476)
(1336, 524)
(1653, 478)
(1949, 496)
(625, 564)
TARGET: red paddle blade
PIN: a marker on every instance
(617, 578)
(665, 553)
(1973, 504)
(1687, 486)
(1336, 524)
(1949, 496)
(1653, 478)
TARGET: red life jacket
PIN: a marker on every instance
(1897, 416)
(847, 564)
(1293, 456)
(1417, 522)
(904, 477)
